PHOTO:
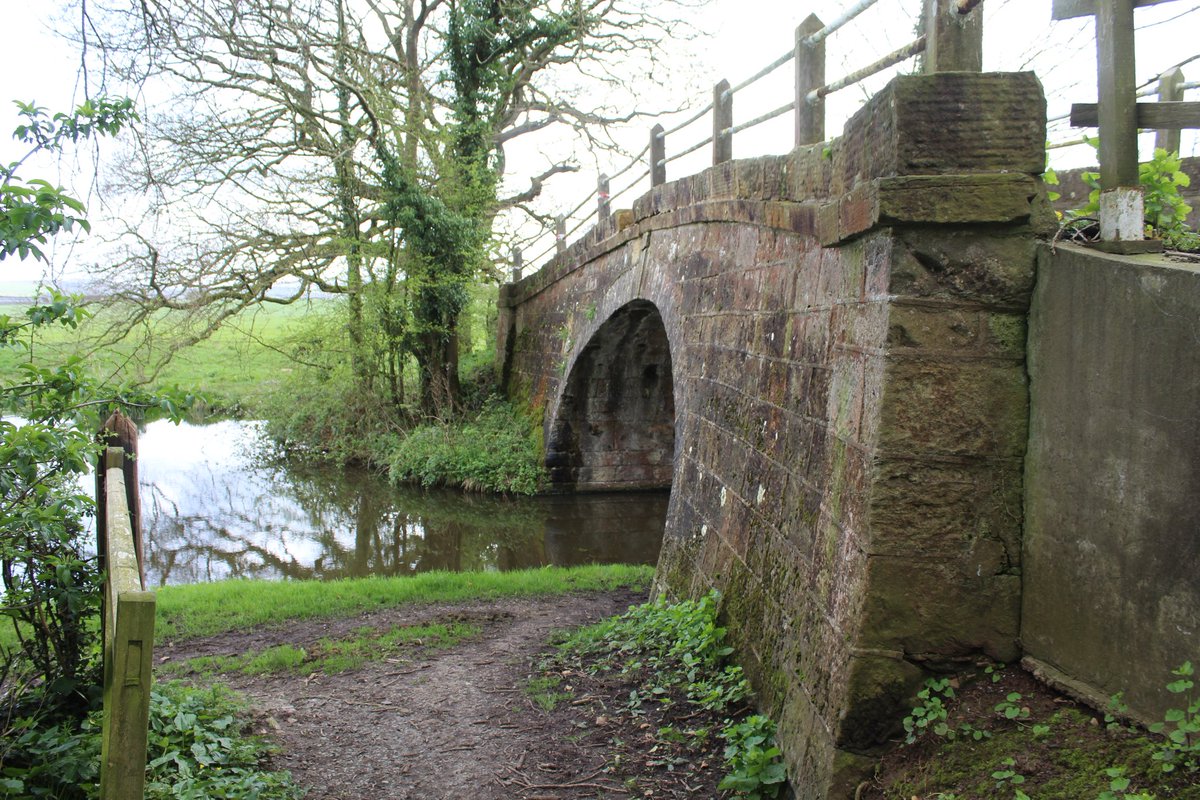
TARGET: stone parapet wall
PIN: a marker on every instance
(846, 336)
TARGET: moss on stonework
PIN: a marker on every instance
(879, 688)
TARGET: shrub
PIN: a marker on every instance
(494, 452)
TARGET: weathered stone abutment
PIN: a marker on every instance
(836, 340)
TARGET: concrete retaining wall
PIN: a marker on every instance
(1112, 541)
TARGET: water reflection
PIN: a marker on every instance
(212, 510)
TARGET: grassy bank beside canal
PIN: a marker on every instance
(204, 609)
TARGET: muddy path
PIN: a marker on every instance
(451, 723)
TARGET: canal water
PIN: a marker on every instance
(213, 507)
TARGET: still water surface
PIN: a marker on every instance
(212, 509)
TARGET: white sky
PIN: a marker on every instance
(741, 37)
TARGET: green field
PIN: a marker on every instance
(245, 359)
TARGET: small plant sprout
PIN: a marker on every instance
(1180, 726)
(1011, 707)
(1117, 785)
(930, 712)
(1116, 710)
(756, 770)
(1008, 775)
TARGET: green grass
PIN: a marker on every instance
(208, 608)
(237, 364)
(332, 656)
(545, 691)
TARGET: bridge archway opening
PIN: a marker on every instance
(615, 428)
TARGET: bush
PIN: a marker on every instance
(197, 748)
(496, 452)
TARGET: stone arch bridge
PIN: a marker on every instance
(823, 353)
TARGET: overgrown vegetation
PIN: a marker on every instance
(998, 734)
(49, 670)
(1166, 211)
(196, 749)
(496, 451)
(677, 657)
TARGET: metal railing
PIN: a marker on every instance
(952, 41)
(127, 619)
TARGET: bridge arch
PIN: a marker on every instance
(614, 422)
(846, 329)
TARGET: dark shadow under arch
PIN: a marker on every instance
(615, 427)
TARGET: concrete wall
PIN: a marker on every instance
(845, 333)
(1112, 542)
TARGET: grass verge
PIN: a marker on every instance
(333, 656)
(204, 609)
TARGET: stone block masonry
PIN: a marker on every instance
(823, 354)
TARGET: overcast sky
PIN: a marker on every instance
(739, 37)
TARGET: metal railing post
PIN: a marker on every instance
(517, 264)
(954, 36)
(722, 122)
(560, 233)
(810, 74)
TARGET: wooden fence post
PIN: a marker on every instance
(722, 122)
(658, 156)
(1170, 90)
(810, 74)
(560, 233)
(602, 210)
(1121, 202)
(518, 261)
(953, 38)
(128, 644)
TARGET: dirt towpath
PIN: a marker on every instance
(452, 723)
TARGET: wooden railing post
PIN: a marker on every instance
(602, 210)
(1170, 90)
(953, 36)
(560, 233)
(1121, 202)
(128, 623)
(810, 74)
(658, 156)
(518, 261)
(722, 122)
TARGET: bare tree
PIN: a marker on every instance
(354, 147)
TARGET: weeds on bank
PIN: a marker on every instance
(197, 748)
(677, 656)
(1007, 749)
(332, 656)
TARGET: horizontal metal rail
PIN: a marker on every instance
(891, 59)
(636, 181)
(689, 120)
(690, 150)
(762, 73)
(759, 119)
(847, 15)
